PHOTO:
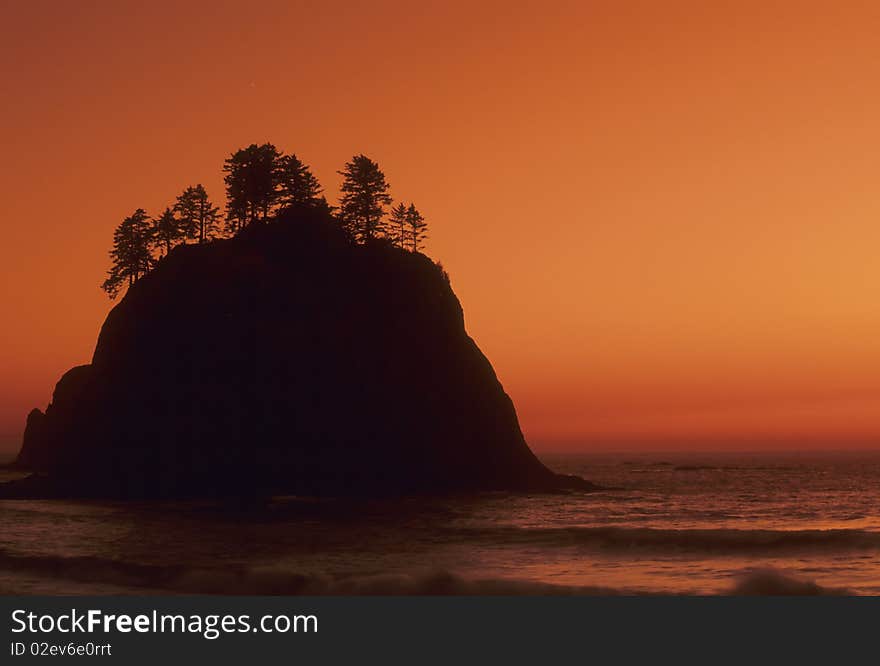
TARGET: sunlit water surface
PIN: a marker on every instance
(682, 523)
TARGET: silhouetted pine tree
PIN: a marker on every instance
(198, 216)
(131, 255)
(251, 179)
(166, 232)
(184, 208)
(363, 200)
(398, 225)
(418, 228)
(297, 185)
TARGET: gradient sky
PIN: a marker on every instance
(662, 218)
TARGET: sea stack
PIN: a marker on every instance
(285, 360)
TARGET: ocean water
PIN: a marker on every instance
(671, 524)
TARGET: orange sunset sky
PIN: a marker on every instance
(662, 218)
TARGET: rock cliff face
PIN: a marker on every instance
(285, 360)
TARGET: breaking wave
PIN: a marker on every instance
(267, 580)
(770, 582)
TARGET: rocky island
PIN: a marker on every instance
(287, 359)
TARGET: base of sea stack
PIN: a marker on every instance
(40, 487)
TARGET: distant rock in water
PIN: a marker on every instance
(287, 360)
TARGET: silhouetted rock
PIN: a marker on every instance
(41, 430)
(34, 441)
(285, 360)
